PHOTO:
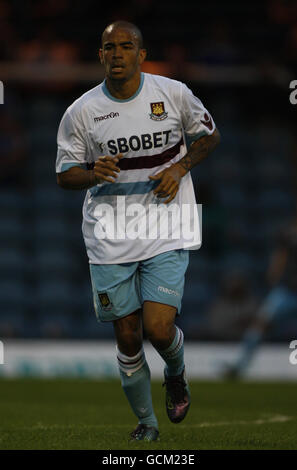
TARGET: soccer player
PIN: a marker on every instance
(280, 304)
(124, 141)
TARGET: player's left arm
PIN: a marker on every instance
(199, 150)
(171, 177)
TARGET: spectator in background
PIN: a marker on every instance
(233, 310)
(50, 53)
(280, 303)
(45, 48)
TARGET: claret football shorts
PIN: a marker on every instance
(120, 289)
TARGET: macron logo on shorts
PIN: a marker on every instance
(168, 291)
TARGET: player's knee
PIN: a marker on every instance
(160, 334)
(129, 346)
(129, 335)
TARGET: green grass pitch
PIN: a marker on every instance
(88, 414)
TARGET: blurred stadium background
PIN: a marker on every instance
(239, 58)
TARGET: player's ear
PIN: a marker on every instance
(142, 56)
(100, 54)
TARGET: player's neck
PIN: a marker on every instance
(123, 90)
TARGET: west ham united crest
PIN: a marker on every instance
(158, 111)
(105, 302)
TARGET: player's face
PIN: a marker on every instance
(120, 54)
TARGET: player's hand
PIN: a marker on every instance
(106, 168)
(170, 179)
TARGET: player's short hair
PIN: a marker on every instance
(126, 25)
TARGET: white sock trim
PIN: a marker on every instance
(179, 341)
(130, 364)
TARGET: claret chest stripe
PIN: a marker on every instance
(150, 161)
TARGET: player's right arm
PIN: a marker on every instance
(105, 169)
(71, 163)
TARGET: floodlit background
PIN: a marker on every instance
(239, 58)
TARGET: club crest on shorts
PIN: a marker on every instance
(158, 111)
(105, 302)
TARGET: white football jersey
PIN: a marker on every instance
(124, 221)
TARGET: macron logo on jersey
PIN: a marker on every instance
(106, 116)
